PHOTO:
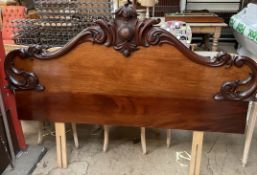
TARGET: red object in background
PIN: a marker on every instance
(9, 100)
(9, 14)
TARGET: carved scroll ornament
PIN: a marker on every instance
(127, 34)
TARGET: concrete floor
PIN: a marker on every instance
(221, 154)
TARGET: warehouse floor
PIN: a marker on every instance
(221, 153)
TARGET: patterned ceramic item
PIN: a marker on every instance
(180, 29)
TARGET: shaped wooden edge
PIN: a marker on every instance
(127, 34)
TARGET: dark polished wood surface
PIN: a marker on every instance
(155, 112)
(126, 34)
(194, 17)
(129, 72)
(167, 91)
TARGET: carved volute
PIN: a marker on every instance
(126, 34)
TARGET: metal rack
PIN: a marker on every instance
(166, 6)
(60, 21)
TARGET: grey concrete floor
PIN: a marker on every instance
(221, 154)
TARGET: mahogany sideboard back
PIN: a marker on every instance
(129, 72)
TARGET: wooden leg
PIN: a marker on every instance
(206, 41)
(106, 138)
(249, 112)
(249, 132)
(196, 153)
(216, 37)
(143, 141)
(61, 149)
(168, 137)
(75, 135)
(193, 46)
(40, 132)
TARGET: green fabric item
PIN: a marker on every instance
(237, 24)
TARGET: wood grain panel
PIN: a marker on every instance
(157, 87)
(170, 74)
(187, 114)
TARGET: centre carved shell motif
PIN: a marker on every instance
(127, 34)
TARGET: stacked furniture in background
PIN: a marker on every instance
(10, 13)
(60, 21)
(224, 8)
(201, 23)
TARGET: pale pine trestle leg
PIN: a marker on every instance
(40, 132)
(74, 131)
(196, 153)
(106, 138)
(75, 135)
(61, 148)
(168, 141)
(143, 141)
(249, 132)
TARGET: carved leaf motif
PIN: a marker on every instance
(230, 90)
(20, 79)
(125, 34)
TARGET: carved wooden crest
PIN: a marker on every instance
(126, 34)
